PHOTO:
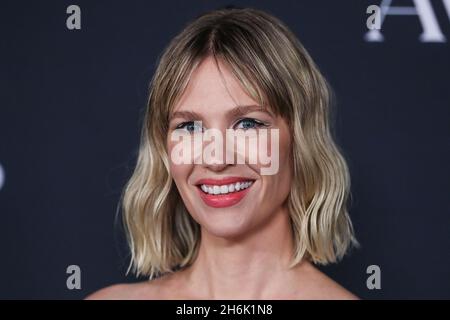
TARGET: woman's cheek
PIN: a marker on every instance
(177, 171)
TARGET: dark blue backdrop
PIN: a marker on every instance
(70, 109)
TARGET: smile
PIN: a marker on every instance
(224, 192)
(225, 189)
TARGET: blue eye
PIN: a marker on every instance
(190, 126)
(249, 123)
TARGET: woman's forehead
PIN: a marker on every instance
(213, 87)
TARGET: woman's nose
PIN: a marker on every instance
(218, 155)
(217, 167)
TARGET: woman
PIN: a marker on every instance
(224, 230)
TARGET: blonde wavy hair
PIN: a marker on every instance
(276, 70)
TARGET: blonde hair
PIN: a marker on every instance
(276, 71)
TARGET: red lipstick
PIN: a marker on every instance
(223, 200)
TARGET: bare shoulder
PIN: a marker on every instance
(147, 290)
(167, 286)
(320, 286)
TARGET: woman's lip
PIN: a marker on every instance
(223, 200)
(222, 181)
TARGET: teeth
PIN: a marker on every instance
(224, 189)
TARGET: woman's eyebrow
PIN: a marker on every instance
(188, 115)
(240, 111)
(236, 112)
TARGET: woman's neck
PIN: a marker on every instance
(255, 266)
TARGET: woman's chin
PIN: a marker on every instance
(225, 228)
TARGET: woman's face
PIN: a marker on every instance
(227, 199)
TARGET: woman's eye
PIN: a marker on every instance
(190, 126)
(249, 123)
